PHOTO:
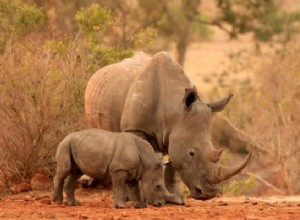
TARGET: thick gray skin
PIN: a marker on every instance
(124, 157)
(153, 98)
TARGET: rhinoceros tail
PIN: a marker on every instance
(63, 155)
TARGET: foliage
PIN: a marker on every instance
(267, 112)
(262, 17)
(95, 23)
(235, 187)
(238, 187)
(17, 18)
(42, 84)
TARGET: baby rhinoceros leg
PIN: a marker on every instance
(63, 170)
(58, 188)
(119, 188)
(70, 187)
(136, 194)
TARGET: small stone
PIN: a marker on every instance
(50, 215)
(251, 218)
(41, 182)
(124, 214)
(109, 218)
(221, 203)
(42, 197)
(2, 214)
(254, 203)
(22, 187)
(37, 215)
(46, 201)
(28, 198)
(82, 216)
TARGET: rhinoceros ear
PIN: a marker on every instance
(189, 98)
(220, 105)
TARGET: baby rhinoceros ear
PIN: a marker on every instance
(159, 155)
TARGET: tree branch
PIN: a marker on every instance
(252, 144)
(266, 183)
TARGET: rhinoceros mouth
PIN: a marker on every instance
(201, 194)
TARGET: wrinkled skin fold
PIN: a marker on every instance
(153, 98)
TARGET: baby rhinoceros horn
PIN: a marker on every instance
(220, 173)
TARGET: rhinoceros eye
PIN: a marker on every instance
(192, 153)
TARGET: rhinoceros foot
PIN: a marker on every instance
(139, 205)
(120, 205)
(72, 203)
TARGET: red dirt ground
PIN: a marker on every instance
(97, 204)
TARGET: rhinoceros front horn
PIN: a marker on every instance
(221, 173)
(220, 105)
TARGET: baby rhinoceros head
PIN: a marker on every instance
(154, 189)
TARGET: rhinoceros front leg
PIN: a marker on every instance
(136, 194)
(119, 188)
(172, 185)
(70, 187)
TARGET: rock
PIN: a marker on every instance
(46, 201)
(110, 217)
(49, 215)
(254, 203)
(41, 182)
(22, 187)
(28, 198)
(1, 185)
(221, 203)
(82, 216)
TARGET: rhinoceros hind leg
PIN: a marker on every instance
(62, 172)
(58, 189)
(119, 188)
(70, 187)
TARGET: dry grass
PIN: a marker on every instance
(268, 113)
(41, 92)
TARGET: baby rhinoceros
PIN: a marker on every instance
(124, 156)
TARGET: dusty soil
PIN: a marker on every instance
(97, 204)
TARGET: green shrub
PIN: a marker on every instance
(17, 18)
(42, 84)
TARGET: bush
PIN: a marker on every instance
(42, 84)
(268, 112)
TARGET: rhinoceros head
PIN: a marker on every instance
(191, 151)
(153, 186)
(162, 104)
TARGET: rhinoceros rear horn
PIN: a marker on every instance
(220, 105)
(214, 155)
(221, 173)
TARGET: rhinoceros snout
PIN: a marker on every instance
(158, 203)
(201, 194)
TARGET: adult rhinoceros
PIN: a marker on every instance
(152, 97)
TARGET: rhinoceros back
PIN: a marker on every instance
(106, 92)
